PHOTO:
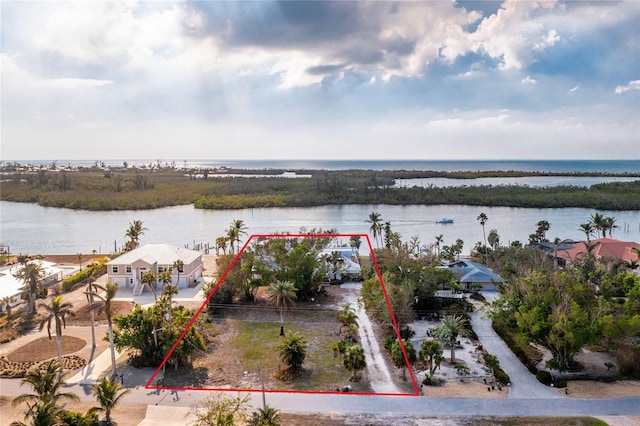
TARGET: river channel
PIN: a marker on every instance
(29, 228)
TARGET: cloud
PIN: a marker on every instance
(268, 77)
(633, 85)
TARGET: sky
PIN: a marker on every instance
(444, 79)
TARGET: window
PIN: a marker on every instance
(181, 269)
(114, 269)
(127, 269)
(160, 268)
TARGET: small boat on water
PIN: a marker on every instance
(444, 220)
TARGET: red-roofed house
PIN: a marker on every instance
(602, 248)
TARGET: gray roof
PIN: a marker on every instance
(467, 271)
(162, 254)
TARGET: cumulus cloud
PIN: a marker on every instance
(633, 85)
(318, 71)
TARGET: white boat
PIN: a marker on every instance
(444, 220)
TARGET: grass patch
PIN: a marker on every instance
(256, 344)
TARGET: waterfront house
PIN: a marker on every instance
(471, 275)
(342, 262)
(127, 270)
(602, 249)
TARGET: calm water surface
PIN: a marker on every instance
(29, 228)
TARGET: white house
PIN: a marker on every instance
(10, 285)
(127, 270)
(348, 264)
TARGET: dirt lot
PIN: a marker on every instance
(247, 340)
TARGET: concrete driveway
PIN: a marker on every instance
(524, 385)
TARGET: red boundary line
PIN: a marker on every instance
(222, 278)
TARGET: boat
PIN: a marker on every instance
(444, 220)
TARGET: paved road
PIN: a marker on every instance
(523, 383)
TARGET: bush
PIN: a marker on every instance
(544, 377)
(69, 283)
(477, 296)
(501, 376)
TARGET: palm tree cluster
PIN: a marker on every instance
(598, 223)
(353, 356)
(43, 404)
(235, 231)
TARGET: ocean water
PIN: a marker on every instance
(560, 166)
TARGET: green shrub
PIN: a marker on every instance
(544, 377)
(69, 283)
(501, 376)
(477, 296)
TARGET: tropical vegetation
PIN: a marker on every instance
(130, 188)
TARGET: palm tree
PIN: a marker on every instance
(110, 290)
(57, 312)
(135, 231)
(397, 356)
(609, 224)
(494, 239)
(452, 327)
(90, 293)
(599, 223)
(221, 244)
(439, 240)
(178, 265)
(108, 393)
(46, 382)
(293, 351)
(240, 229)
(588, 230)
(151, 280)
(232, 235)
(42, 414)
(168, 292)
(482, 218)
(376, 225)
(282, 295)
(354, 360)
(165, 278)
(31, 274)
(6, 303)
(431, 354)
(268, 416)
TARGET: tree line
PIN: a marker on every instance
(130, 189)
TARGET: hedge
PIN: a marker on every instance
(69, 283)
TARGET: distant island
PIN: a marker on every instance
(156, 185)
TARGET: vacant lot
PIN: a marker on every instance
(245, 352)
